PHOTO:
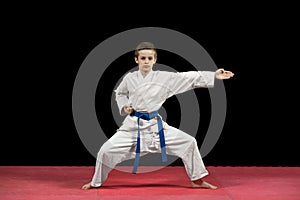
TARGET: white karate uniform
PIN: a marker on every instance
(147, 95)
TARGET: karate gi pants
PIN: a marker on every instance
(121, 146)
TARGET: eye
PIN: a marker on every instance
(143, 58)
(150, 58)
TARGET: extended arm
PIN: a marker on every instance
(184, 81)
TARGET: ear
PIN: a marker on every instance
(136, 60)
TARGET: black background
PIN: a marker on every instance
(42, 54)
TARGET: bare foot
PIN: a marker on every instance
(86, 186)
(202, 184)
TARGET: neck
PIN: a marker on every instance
(144, 74)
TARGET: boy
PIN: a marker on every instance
(139, 96)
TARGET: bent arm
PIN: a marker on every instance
(122, 97)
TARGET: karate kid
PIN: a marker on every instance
(139, 96)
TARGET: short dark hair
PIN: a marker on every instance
(144, 45)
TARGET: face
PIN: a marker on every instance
(146, 60)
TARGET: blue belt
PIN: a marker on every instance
(148, 116)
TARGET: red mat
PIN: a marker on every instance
(64, 183)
